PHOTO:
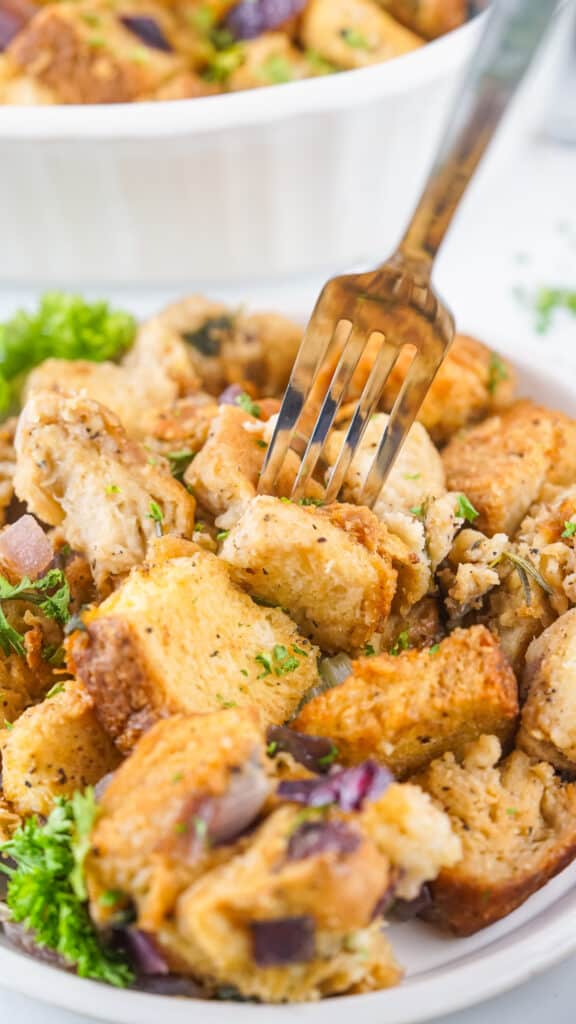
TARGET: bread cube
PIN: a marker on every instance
(354, 33)
(179, 637)
(53, 749)
(404, 709)
(329, 568)
(429, 18)
(548, 723)
(517, 824)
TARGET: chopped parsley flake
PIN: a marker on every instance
(318, 502)
(52, 595)
(417, 510)
(110, 898)
(55, 690)
(329, 758)
(277, 70)
(222, 535)
(569, 529)
(434, 649)
(278, 663)
(402, 643)
(369, 651)
(272, 748)
(247, 405)
(355, 39)
(261, 444)
(497, 372)
(156, 514)
(465, 509)
(412, 476)
(225, 703)
(179, 462)
(112, 489)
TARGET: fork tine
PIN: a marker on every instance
(367, 404)
(420, 375)
(347, 363)
(313, 349)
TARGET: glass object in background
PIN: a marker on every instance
(560, 123)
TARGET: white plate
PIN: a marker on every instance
(443, 974)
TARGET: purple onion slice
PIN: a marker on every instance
(230, 394)
(317, 837)
(14, 15)
(144, 953)
(148, 31)
(24, 940)
(283, 940)
(347, 788)
(250, 18)
(407, 910)
(317, 753)
(169, 985)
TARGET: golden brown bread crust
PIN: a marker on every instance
(429, 18)
(501, 465)
(329, 568)
(406, 710)
(517, 823)
(179, 636)
(325, 24)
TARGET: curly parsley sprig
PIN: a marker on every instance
(50, 593)
(47, 891)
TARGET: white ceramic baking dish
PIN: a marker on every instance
(287, 180)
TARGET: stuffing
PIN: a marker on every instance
(515, 616)
(54, 749)
(470, 571)
(329, 568)
(18, 687)
(422, 626)
(406, 708)
(186, 769)
(178, 636)
(517, 824)
(85, 53)
(502, 464)
(77, 469)
(7, 466)
(548, 723)
(547, 537)
(9, 820)
(354, 33)
(254, 350)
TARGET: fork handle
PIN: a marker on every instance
(511, 36)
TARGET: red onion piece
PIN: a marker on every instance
(314, 752)
(348, 788)
(23, 939)
(283, 940)
(251, 18)
(230, 394)
(14, 16)
(317, 837)
(217, 820)
(147, 30)
(144, 953)
(169, 985)
(25, 549)
(407, 910)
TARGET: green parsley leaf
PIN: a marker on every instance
(179, 462)
(412, 476)
(369, 651)
(225, 703)
(279, 662)
(112, 489)
(47, 892)
(497, 372)
(318, 502)
(222, 535)
(318, 64)
(355, 39)
(272, 748)
(50, 593)
(328, 759)
(55, 690)
(417, 510)
(569, 529)
(465, 509)
(434, 649)
(156, 514)
(402, 643)
(8, 726)
(111, 898)
(276, 70)
(247, 405)
(261, 444)
(223, 63)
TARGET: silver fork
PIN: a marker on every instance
(397, 301)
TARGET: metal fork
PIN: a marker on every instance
(397, 301)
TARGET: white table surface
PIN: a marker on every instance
(517, 230)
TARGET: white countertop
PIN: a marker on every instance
(517, 230)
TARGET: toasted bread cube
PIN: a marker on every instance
(178, 637)
(54, 749)
(473, 382)
(429, 18)
(331, 895)
(354, 33)
(548, 723)
(177, 773)
(408, 708)
(329, 568)
(256, 350)
(501, 465)
(515, 616)
(517, 824)
(87, 53)
(77, 468)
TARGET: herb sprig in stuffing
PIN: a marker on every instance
(47, 892)
(52, 595)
